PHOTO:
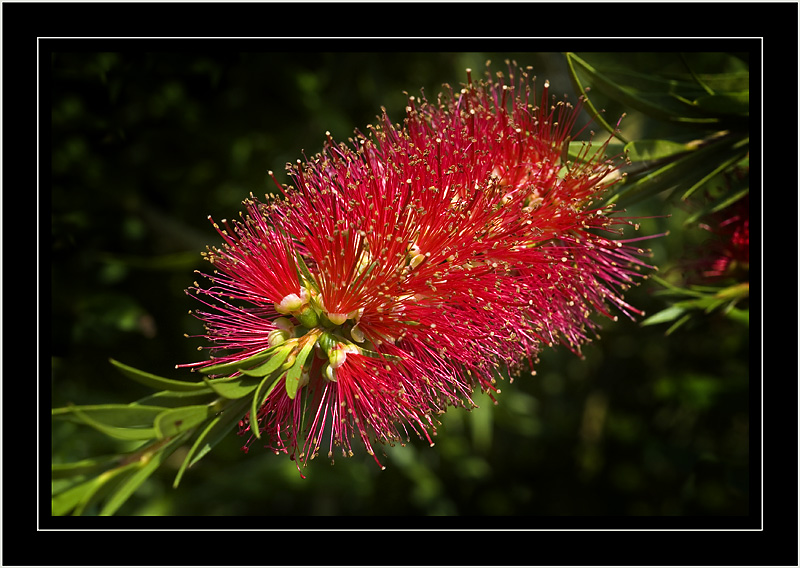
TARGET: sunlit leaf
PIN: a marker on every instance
(688, 171)
(120, 415)
(293, 374)
(212, 434)
(144, 468)
(173, 399)
(83, 467)
(651, 150)
(655, 96)
(124, 422)
(593, 111)
(262, 392)
(272, 365)
(664, 316)
(175, 420)
(671, 329)
(726, 103)
(78, 498)
(305, 273)
(738, 315)
(739, 151)
(69, 499)
(154, 381)
(233, 366)
(237, 387)
(585, 148)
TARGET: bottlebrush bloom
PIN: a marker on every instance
(416, 263)
(728, 252)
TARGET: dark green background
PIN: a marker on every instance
(146, 145)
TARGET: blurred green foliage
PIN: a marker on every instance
(146, 145)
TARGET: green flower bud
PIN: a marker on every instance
(327, 341)
(329, 373)
(289, 303)
(337, 319)
(283, 323)
(357, 334)
(308, 317)
(337, 357)
(277, 337)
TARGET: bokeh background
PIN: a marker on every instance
(146, 145)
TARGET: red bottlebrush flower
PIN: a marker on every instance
(728, 252)
(416, 262)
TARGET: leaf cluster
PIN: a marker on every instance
(180, 412)
(691, 114)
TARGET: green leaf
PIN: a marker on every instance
(687, 173)
(119, 421)
(718, 204)
(739, 315)
(305, 273)
(651, 150)
(274, 362)
(83, 467)
(176, 420)
(119, 415)
(262, 392)
(293, 374)
(139, 474)
(69, 499)
(213, 433)
(79, 497)
(237, 387)
(726, 103)
(154, 381)
(677, 324)
(580, 87)
(665, 315)
(725, 164)
(173, 399)
(579, 148)
(662, 98)
(233, 366)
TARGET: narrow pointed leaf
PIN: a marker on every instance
(116, 432)
(677, 324)
(717, 205)
(116, 420)
(238, 387)
(259, 397)
(83, 467)
(687, 171)
(272, 365)
(720, 167)
(580, 87)
(665, 315)
(145, 467)
(211, 435)
(176, 420)
(293, 374)
(174, 399)
(726, 103)
(305, 273)
(651, 150)
(154, 381)
(69, 499)
(119, 415)
(233, 366)
(662, 98)
(79, 497)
